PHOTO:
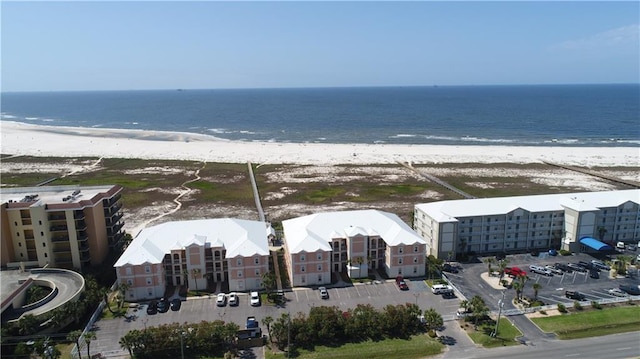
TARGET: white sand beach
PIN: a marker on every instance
(53, 141)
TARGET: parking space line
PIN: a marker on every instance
(356, 287)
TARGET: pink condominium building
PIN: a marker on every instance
(353, 241)
(197, 254)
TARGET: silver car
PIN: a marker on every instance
(617, 292)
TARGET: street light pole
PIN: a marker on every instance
(500, 305)
(416, 295)
(182, 344)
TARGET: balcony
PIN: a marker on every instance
(85, 257)
(60, 239)
(112, 231)
(114, 219)
(78, 215)
(57, 217)
(108, 212)
(26, 221)
(59, 228)
(62, 249)
(82, 237)
(81, 226)
(84, 248)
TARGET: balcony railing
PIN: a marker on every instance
(57, 217)
(60, 239)
(78, 215)
(59, 228)
(26, 221)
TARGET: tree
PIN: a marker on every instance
(74, 336)
(88, 337)
(267, 322)
(536, 288)
(478, 308)
(359, 261)
(195, 273)
(123, 287)
(432, 319)
(489, 261)
(518, 288)
(502, 264)
(28, 325)
(269, 282)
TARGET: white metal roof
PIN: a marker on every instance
(238, 236)
(585, 201)
(315, 231)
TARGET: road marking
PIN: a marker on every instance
(573, 355)
(623, 348)
(356, 287)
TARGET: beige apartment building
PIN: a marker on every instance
(352, 241)
(198, 254)
(578, 222)
(60, 226)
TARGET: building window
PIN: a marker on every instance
(239, 261)
(176, 257)
(18, 234)
(302, 269)
(319, 277)
(41, 234)
(319, 267)
(415, 249)
(415, 259)
(256, 260)
(399, 271)
(149, 292)
(15, 223)
(40, 222)
(239, 274)
(129, 282)
(45, 255)
(149, 281)
(257, 272)
(19, 244)
(319, 256)
(303, 279)
(147, 269)
(415, 270)
(128, 270)
(399, 260)
(44, 244)
(21, 255)
(302, 257)
(400, 249)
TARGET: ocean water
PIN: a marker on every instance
(538, 115)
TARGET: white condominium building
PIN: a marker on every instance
(526, 223)
(352, 241)
(196, 254)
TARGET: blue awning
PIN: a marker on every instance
(595, 244)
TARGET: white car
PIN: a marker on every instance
(554, 270)
(255, 299)
(540, 270)
(617, 292)
(324, 294)
(221, 300)
(233, 299)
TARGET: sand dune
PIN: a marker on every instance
(35, 140)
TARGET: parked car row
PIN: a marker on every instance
(163, 306)
(233, 300)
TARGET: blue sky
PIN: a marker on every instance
(51, 46)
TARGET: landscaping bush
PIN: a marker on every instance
(562, 308)
(564, 252)
(543, 312)
(596, 305)
(432, 333)
(577, 305)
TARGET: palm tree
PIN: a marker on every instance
(88, 337)
(489, 261)
(432, 319)
(359, 261)
(74, 336)
(123, 288)
(502, 264)
(195, 272)
(536, 288)
(518, 286)
(267, 321)
(127, 343)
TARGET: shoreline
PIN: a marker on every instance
(25, 139)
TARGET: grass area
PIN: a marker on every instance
(418, 346)
(592, 323)
(507, 333)
(65, 349)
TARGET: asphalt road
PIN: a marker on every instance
(625, 345)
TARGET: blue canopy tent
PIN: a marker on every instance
(595, 244)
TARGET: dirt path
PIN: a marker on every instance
(176, 200)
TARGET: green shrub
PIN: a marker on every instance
(543, 312)
(562, 308)
(564, 252)
(596, 304)
(432, 333)
(577, 305)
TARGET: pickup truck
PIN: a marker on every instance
(514, 271)
(251, 323)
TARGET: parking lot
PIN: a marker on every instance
(553, 287)
(196, 309)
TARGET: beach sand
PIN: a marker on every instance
(53, 141)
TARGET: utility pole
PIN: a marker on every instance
(500, 305)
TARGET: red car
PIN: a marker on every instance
(401, 283)
(515, 271)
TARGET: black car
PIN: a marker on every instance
(175, 304)
(163, 306)
(562, 267)
(152, 308)
(594, 273)
(574, 295)
(449, 268)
